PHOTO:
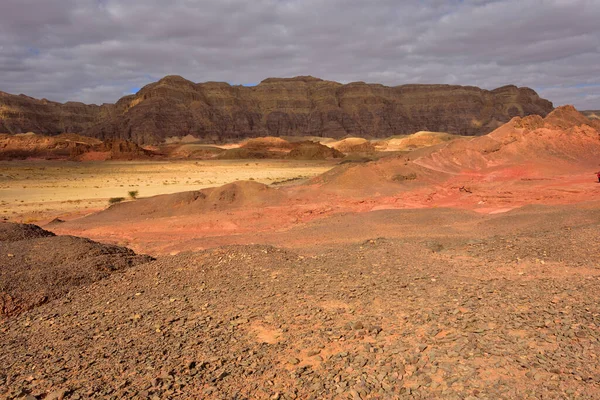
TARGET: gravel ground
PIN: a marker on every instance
(506, 317)
(36, 266)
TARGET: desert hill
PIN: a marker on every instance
(353, 145)
(531, 160)
(415, 141)
(524, 148)
(301, 106)
(564, 137)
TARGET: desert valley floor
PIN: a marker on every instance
(38, 190)
(464, 270)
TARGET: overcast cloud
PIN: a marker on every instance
(96, 51)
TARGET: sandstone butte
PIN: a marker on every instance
(300, 106)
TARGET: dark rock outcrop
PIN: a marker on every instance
(36, 266)
(301, 106)
(22, 114)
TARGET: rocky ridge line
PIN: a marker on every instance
(300, 106)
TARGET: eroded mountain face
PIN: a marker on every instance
(22, 114)
(301, 106)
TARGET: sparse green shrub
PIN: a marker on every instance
(115, 200)
(133, 194)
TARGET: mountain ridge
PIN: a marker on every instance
(297, 106)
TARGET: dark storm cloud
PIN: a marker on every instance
(98, 50)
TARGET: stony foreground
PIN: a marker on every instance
(36, 266)
(512, 316)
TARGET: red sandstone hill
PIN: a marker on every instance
(533, 147)
(531, 160)
(301, 106)
(63, 146)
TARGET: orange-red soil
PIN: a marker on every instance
(529, 160)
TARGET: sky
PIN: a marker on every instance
(96, 51)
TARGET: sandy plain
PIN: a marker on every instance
(37, 191)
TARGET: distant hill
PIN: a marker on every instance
(22, 114)
(300, 106)
(592, 114)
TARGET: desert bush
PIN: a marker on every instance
(133, 194)
(409, 177)
(115, 200)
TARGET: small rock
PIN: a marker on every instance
(355, 395)
(375, 329)
(361, 361)
(209, 390)
(293, 361)
(239, 321)
(57, 394)
(222, 375)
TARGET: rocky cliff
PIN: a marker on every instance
(301, 106)
(22, 114)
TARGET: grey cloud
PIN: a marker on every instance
(98, 50)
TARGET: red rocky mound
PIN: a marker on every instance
(564, 139)
(68, 147)
(114, 149)
(353, 145)
(530, 147)
(64, 146)
(313, 151)
(267, 143)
